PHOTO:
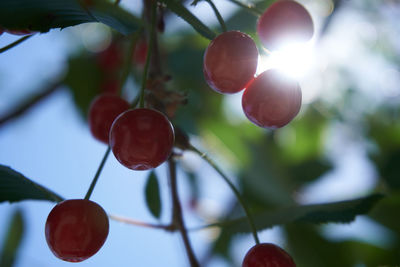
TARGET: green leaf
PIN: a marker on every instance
(12, 240)
(152, 192)
(336, 212)
(43, 15)
(16, 187)
(84, 80)
(186, 15)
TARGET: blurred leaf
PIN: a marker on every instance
(16, 187)
(390, 169)
(309, 170)
(43, 15)
(12, 240)
(338, 212)
(387, 212)
(84, 80)
(152, 192)
(309, 249)
(185, 14)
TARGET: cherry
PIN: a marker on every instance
(76, 229)
(284, 21)
(142, 138)
(267, 255)
(102, 112)
(230, 62)
(271, 100)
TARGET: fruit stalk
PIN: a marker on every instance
(233, 188)
(97, 175)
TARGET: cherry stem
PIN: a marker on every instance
(233, 188)
(126, 70)
(177, 217)
(249, 7)
(149, 51)
(20, 40)
(219, 17)
(97, 175)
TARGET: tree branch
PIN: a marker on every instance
(177, 218)
(29, 103)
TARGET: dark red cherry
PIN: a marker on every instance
(142, 138)
(76, 229)
(284, 22)
(230, 62)
(267, 255)
(271, 100)
(102, 112)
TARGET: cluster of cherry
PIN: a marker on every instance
(143, 138)
(230, 63)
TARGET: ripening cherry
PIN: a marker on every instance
(76, 229)
(267, 255)
(284, 22)
(230, 62)
(271, 100)
(142, 138)
(102, 112)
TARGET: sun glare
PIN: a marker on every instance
(293, 60)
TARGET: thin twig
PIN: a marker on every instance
(177, 217)
(251, 8)
(140, 223)
(29, 103)
(218, 15)
(20, 40)
(234, 190)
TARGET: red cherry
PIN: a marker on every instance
(267, 255)
(76, 229)
(230, 62)
(284, 21)
(102, 112)
(142, 138)
(271, 100)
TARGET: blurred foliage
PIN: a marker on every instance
(271, 166)
(43, 15)
(13, 239)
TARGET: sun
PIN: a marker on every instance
(294, 60)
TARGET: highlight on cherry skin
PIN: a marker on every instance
(284, 22)
(272, 100)
(142, 138)
(102, 112)
(230, 62)
(267, 255)
(76, 229)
